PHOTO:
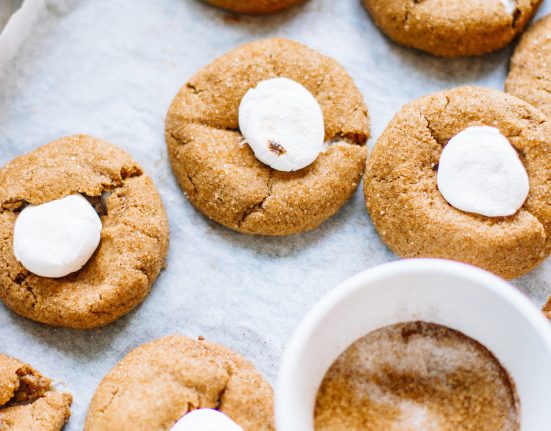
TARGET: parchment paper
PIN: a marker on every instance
(110, 68)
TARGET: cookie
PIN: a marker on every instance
(530, 74)
(221, 175)
(452, 28)
(134, 237)
(28, 401)
(255, 7)
(547, 309)
(157, 383)
(411, 215)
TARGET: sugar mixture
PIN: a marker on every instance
(417, 376)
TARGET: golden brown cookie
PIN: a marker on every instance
(134, 238)
(547, 309)
(255, 7)
(530, 74)
(222, 177)
(157, 383)
(452, 28)
(27, 400)
(415, 220)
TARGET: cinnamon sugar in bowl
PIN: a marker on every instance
(418, 344)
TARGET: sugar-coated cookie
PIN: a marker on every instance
(134, 236)
(409, 211)
(219, 172)
(452, 28)
(530, 74)
(27, 400)
(159, 382)
(255, 7)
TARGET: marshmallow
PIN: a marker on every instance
(205, 420)
(283, 124)
(480, 172)
(58, 237)
(510, 5)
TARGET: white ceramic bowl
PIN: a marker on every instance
(452, 294)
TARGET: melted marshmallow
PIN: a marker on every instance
(479, 172)
(205, 420)
(58, 237)
(282, 123)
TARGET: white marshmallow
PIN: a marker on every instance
(283, 124)
(58, 237)
(205, 420)
(510, 5)
(480, 172)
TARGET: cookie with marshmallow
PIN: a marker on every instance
(179, 384)
(452, 28)
(464, 174)
(84, 233)
(254, 7)
(269, 138)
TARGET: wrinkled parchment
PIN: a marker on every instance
(110, 68)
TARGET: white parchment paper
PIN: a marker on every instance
(110, 68)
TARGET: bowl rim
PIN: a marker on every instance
(316, 315)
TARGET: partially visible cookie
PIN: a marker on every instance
(530, 74)
(219, 172)
(159, 382)
(134, 237)
(452, 28)
(255, 7)
(405, 203)
(547, 309)
(27, 399)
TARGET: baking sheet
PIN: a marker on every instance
(110, 68)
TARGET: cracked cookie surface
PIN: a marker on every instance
(256, 7)
(451, 28)
(530, 74)
(27, 400)
(415, 220)
(134, 237)
(220, 174)
(158, 382)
